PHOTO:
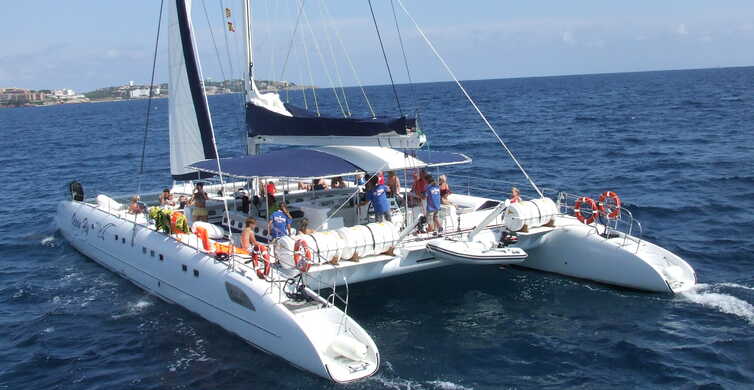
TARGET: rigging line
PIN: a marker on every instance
(384, 55)
(149, 102)
(484, 118)
(293, 37)
(350, 63)
(214, 43)
(334, 60)
(309, 68)
(403, 50)
(324, 66)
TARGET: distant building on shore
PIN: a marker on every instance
(22, 97)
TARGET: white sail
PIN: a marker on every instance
(189, 118)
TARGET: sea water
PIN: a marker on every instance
(676, 146)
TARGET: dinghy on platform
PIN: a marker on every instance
(475, 252)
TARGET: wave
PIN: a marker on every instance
(408, 384)
(704, 295)
(133, 309)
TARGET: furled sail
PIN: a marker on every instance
(189, 118)
(267, 115)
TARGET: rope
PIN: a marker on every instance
(335, 63)
(214, 43)
(484, 118)
(403, 50)
(348, 58)
(384, 56)
(149, 102)
(293, 38)
(324, 67)
(309, 68)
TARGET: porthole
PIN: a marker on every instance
(196, 273)
(256, 229)
(240, 225)
(116, 237)
(123, 240)
(144, 250)
(151, 253)
(162, 257)
(184, 268)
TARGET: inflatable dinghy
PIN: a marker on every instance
(474, 252)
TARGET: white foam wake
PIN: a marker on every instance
(723, 302)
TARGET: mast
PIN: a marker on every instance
(249, 66)
(250, 91)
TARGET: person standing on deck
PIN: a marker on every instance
(377, 194)
(432, 194)
(280, 222)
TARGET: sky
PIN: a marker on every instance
(84, 44)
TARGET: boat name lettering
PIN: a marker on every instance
(80, 224)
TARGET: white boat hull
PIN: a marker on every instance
(577, 250)
(197, 282)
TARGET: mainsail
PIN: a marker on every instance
(189, 118)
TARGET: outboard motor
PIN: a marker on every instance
(507, 238)
(77, 191)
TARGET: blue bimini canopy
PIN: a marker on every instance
(261, 121)
(300, 163)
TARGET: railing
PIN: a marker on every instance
(624, 225)
(500, 190)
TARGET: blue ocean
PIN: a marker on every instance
(677, 146)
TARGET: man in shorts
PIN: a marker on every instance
(432, 194)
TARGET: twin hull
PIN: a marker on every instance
(180, 274)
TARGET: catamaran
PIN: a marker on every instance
(289, 296)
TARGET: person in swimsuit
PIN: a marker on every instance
(199, 203)
(248, 240)
(515, 195)
(444, 190)
(135, 207)
(303, 227)
(394, 184)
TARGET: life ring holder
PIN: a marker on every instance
(302, 256)
(614, 212)
(261, 251)
(592, 205)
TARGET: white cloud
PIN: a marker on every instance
(568, 38)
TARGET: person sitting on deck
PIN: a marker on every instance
(199, 203)
(319, 184)
(444, 190)
(303, 227)
(135, 207)
(248, 240)
(515, 195)
(166, 198)
(337, 182)
(432, 194)
(280, 222)
(377, 194)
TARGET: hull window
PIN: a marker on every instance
(184, 268)
(238, 296)
(196, 273)
(162, 257)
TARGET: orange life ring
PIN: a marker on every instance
(202, 234)
(577, 210)
(260, 251)
(615, 211)
(302, 256)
